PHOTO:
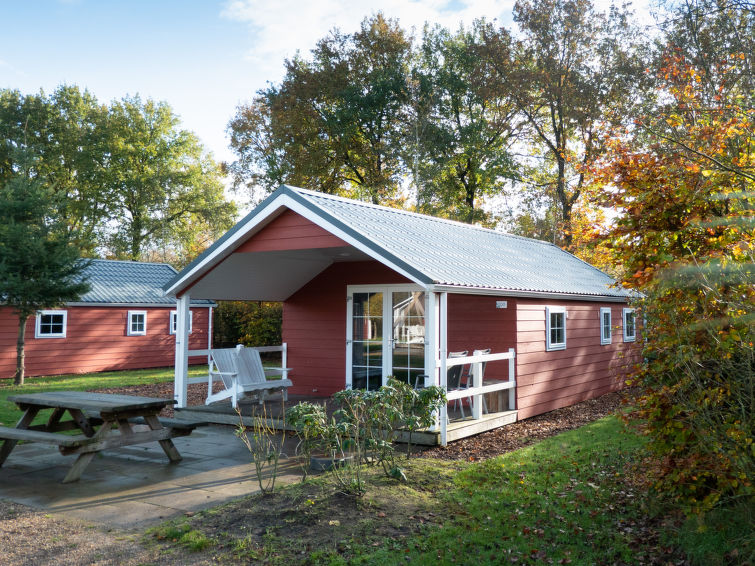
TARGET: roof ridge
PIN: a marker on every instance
(353, 202)
(128, 261)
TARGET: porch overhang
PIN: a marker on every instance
(269, 275)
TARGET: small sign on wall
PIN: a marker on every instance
(501, 304)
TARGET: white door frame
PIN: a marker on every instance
(387, 291)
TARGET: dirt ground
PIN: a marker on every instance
(30, 537)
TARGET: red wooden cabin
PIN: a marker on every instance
(371, 292)
(124, 322)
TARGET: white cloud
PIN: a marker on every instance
(281, 28)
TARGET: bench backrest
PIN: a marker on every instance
(251, 371)
(225, 362)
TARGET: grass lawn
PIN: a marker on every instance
(9, 413)
(570, 499)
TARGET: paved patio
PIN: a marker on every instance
(137, 486)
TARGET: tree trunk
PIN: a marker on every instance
(18, 379)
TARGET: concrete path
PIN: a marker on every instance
(137, 487)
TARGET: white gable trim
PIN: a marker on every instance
(257, 222)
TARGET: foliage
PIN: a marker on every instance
(310, 422)
(164, 190)
(573, 70)
(131, 182)
(248, 323)
(265, 445)
(364, 428)
(40, 266)
(333, 122)
(684, 187)
(463, 124)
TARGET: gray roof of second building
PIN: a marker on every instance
(462, 255)
(129, 282)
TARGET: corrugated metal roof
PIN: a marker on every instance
(430, 250)
(461, 255)
(129, 282)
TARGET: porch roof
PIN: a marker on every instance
(433, 252)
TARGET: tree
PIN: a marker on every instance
(161, 184)
(465, 126)
(686, 238)
(39, 263)
(335, 121)
(130, 181)
(65, 133)
(571, 71)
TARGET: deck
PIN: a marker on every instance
(223, 413)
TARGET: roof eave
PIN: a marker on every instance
(287, 197)
(467, 290)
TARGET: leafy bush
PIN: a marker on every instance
(364, 428)
(248, 323)
(700, 383)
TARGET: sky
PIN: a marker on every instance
(202, 57)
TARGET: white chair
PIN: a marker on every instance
(243, 375)
(467, 377)
(453, 379)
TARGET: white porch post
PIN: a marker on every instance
(182, 350)
(443, 377)
(512, 377)
(431, 340)
(477, 382)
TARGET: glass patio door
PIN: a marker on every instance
(367, 341)
(408, 344)
(385, 336)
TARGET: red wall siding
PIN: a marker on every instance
(314, 325)
(290, 231)
(96, 340)
(584, 370)
(474, 323)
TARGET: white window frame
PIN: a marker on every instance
(173, 321)
(129, 323)
(387, 291)
(603, 339)
(549, 346)
(633, 336)
(38, 324)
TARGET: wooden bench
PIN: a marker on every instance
(30, 435)
(104, 421)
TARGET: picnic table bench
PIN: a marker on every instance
(104, 420)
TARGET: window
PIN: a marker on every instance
(51, 324)
(555, 328)
(630, 329)
(174, 321)
(605, 325)
(137, 323)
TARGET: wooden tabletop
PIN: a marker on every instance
(85, 401)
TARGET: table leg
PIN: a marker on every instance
(82, 422)
(23, 422)
(74, 474)
(78, 467)
(167, 445)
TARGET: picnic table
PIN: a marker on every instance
(104, 421)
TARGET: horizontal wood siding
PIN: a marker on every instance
(584, 370)
(290, 231)
(314, 325)
(96, 340)
(474, 323)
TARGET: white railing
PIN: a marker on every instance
(476, 390)
(283, 349)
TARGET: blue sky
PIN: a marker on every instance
(203, 57)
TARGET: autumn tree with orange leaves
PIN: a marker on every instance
(683, 182)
